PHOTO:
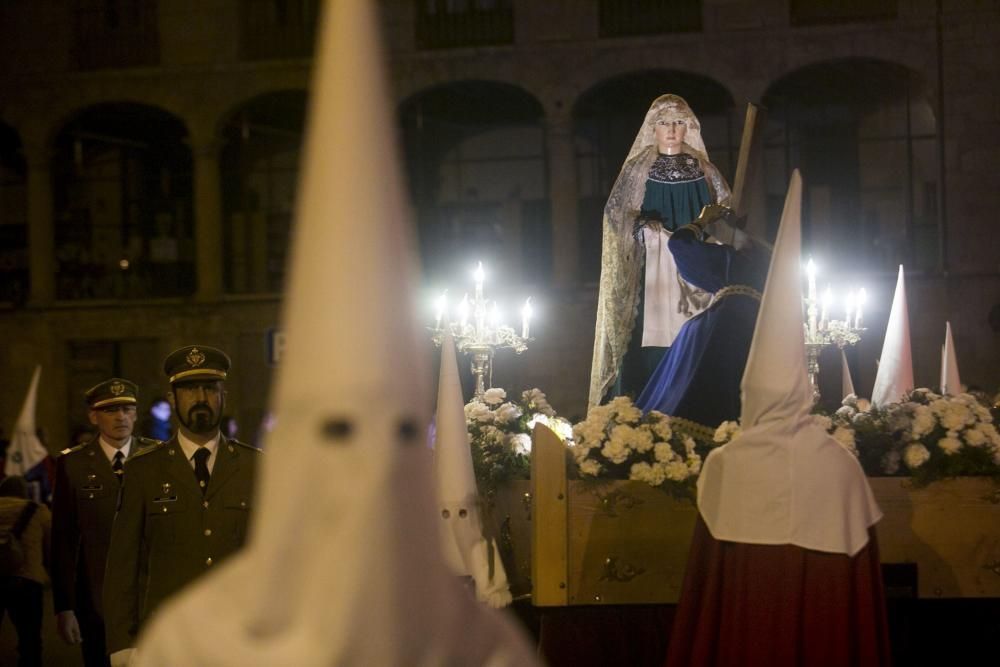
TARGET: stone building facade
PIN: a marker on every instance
(148, 154)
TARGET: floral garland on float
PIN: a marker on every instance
(617, 441)
(926, 436)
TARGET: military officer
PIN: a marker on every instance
(185, 503)
(88, 477)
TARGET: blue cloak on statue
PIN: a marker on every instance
(699, 378)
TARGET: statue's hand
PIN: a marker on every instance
(712, 212)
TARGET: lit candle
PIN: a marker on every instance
(440, 304)
(811, 274)
(525, 317)
(479, 276)
(850, 308)
(862, 297)
(827, 300)
(463, 311)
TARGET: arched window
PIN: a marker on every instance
(606, 119)
(864, 135)
(475, 155)
(260, 167)
(13, 218)
(123, 205)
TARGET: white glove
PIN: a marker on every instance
(68, 627)
(123, 658)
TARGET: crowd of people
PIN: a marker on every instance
(133, 519)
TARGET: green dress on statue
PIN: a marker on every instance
(676, 191)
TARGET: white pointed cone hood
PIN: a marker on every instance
(895, 367)
(775, 384)
(467, 551)
(784, 480)
(344, 563)
(26, 418)
(951, 384)
(846, 383)
(25, 450)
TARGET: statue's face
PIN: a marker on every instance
(670, 131)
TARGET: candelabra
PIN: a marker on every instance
(478, 333)
(821, 331)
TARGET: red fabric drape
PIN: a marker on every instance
(774, 605)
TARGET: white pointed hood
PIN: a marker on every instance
(784, 480)
(25, 450)
(951, 384)
(895, 367)
(466, 549)
(846, 383)
(344, 563)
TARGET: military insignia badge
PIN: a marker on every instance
(195, 358)
(117, 388)
(166, 488)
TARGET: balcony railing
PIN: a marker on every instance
(627, 18)
(448, 24)
(112, 34)
(278, 29)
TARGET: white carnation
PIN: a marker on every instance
(590, 467)
(521, 443)
(650, 474)
(727, 431)
(694, 464)
(478, 412)
(676, 471)
(923, 422)
(537, 401)
(562, 428)
(507, 413)
(494, 396)
(974, 436)
(950, 445)
(915, 455)
(663, 452)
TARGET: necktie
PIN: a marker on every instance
(118, 465)
(201, 467)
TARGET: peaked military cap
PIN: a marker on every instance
(114, 391)
(196, 362)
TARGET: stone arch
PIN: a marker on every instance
(123, 203)
(863, 132)
(14, 270)
(476, 160)
(260, 139)
(606, 118)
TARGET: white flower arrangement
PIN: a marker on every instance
(617, 441)
(927, 436)
(500, 433)
(933, 436)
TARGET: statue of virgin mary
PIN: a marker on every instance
(665, 182)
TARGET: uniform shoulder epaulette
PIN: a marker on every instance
(234, 441)
(147, 442)
(70, 450)
(155, 446)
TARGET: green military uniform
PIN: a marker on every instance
(83, 509)
(169, 531)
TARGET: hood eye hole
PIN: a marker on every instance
(338, 429)
(407, 431)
